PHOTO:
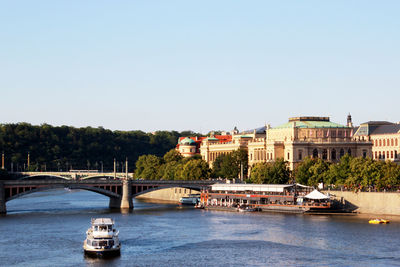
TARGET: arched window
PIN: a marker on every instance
(376, 155)
(315, 153)
(324, 154)
(387, 154)
(384, 142)
(349, 151)
(395, 154)
(391, 142)
(387, 142)
(333, 154)
(380, 155)
(341, 152)
(380, 142)
(391, 154)
(364, 153)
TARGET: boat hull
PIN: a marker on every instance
(102, 253)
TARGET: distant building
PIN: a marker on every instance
(300, 137)
(190, 146)
(385, 137)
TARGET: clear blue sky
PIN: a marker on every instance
(197, 65)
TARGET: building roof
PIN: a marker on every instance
(377, 127)
(188, 141)
(259, 130)
(311, 124)
(387, 129)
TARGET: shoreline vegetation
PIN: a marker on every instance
(61, 148)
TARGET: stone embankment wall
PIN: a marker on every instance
(370, 202)
(168, 194)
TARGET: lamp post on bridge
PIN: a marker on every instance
(2, 160)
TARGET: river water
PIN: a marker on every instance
(48, 229)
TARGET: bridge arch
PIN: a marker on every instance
(94, 189)
(32, 177)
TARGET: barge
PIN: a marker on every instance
(294, 198)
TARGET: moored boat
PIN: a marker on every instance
(294, 198)
(102, 239)
(192, 200)
(378, 221)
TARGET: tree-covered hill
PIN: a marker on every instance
(65, 147)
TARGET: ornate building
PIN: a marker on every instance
(300, 137)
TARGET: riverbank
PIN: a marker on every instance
(171, 195)
(379, 203)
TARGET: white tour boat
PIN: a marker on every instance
(102, 239)
(192, 200)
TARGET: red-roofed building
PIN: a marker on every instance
(190, 146)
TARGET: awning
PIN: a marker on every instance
(316, 195)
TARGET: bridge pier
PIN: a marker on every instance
(3, 208)
(125, 202)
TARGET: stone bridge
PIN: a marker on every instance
(120, 191)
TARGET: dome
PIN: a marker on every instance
(188, 141)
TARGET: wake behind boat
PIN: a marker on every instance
(102, 239)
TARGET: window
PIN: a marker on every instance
(341, 152)
(340, 134)
(384, 142)
(395, 154)
(380, 142)
(387, 142)
(325, 154)
(376, 155)
(349, 152)
(288, 155)
(391, 154)
(300, 154)
(380, 155)
(392, 142)
(333, 154)
(315, 153)
(364, 153)
(387, 154)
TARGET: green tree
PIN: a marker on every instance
(195, 170)
(312, 171)
(229, 166)
(302, 171)
(271, 173)
(338, 173)
(172, 155)
(147, 167)
(170, 170)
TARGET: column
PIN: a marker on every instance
(126, 201)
